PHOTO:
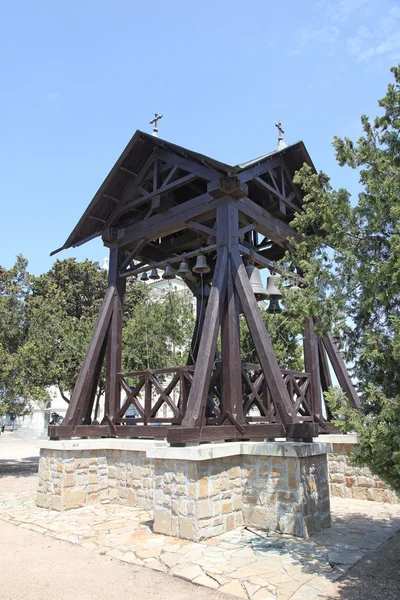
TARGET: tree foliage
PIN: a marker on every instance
(46, 323)
(15, 287)
(352, 273)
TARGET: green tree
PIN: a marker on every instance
(63, 306)
(352, 273)
(15, 286)
(157, 330)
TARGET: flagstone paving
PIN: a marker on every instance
(245, 562)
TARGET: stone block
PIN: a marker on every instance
(204, 509)
(186, 528)
(74, 498)
(203, 487)
(162, 521)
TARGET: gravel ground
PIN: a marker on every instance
(39, 567)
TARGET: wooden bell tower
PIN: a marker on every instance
(160, 205)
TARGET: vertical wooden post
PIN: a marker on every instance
(195, 413)
(231, 376)
(114, 347)
(311, 365)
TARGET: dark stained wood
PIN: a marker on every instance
(276, 230)
(311, 365)
(114, 346)
(145, 211)
(84, 383)
(169, 221)
(341, 371)
(146, 196)
(275, 191)
(211, 433)
(262, 341)
(132, 254)
(187, 165)
(232, 395)
(325, 375)
(198, 394)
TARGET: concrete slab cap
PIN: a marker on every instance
(157, 449)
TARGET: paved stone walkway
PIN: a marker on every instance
(244, 562)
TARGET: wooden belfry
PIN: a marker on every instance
(160, 205)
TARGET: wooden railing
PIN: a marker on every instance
(153, 390)
(159, 396)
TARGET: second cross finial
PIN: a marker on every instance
(154, 122)
(281, 143)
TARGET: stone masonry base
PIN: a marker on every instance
(195, 492)
(348, 481)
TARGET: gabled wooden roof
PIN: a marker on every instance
(134, 158)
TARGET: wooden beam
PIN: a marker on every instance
(325, 374)
(131, 188)
(262, 342)
(195, 412)
(341, 371)
(84, 381)
(114, 347)
(259, 169)
(187, 165)
(231, 375)
(162, 190)
(132, 254)
(202, 228)
(213, 433)
(263, 184)
(168, 222)
(274, 229)
(311, 365)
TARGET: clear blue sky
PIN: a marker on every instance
(79, 77)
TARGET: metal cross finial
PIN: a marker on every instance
(154, 122)
(278, 125)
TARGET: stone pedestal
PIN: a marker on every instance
(195, 492)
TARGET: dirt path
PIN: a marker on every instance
(40, 568)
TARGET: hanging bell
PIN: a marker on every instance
(273, 290)
(201, 265)
(153, 274)
(274, 294)
(183, 270)
(256, 284)
(144, 276)
(274, 307)
(169, 273)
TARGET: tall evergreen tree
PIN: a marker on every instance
(352, 270)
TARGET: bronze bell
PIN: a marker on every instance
(169, 273)
(183, 270)
(153, 274)
(273, 290)
(274, 294)
(144, 276)
(256, 284)
(201, 265)
(274, 307)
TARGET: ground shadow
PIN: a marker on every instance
(332, 552)
(377, 575)
(19, 468)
